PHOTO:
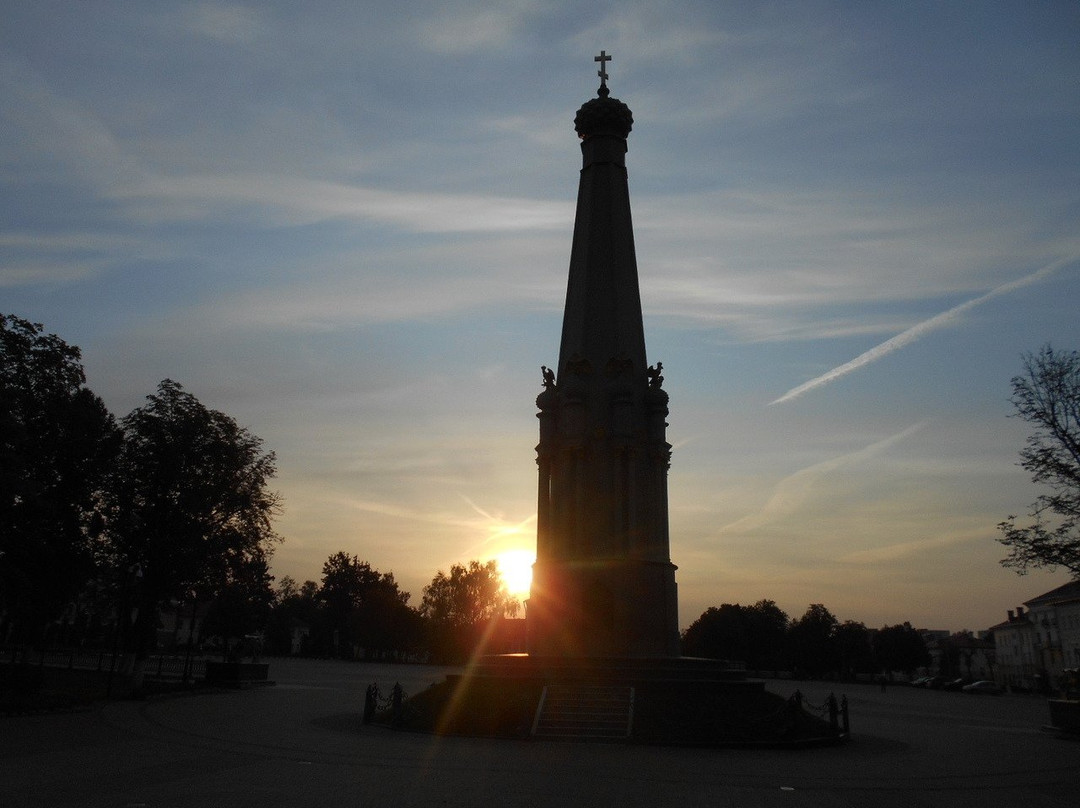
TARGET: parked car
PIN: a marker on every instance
(956, 684)
(929, 682)
(982, 687)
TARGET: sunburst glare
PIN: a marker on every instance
(515, 566)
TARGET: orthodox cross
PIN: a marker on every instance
(603, 59)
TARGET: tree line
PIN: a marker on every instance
(815, 645)
(111, 522)
(113, 519)
(355, 610)
(169, 507)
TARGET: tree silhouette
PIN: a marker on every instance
(242, 604)
(363, 607)
(720, 633)
(188, 503)
(462, 605)
(854, 651)
(294, 607)
(751, 634)
(1047, 396)
(900, 648)
(56, 441)
(811, 641)
(767, 626)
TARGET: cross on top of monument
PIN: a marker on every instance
(603, 59)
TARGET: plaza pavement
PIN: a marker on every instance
(302, 743)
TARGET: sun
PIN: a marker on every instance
(515, 566)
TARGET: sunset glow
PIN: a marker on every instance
(351, 230)
(515, 566)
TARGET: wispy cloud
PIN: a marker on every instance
(464, 28)
(793, 491)
(42, 123)
(496, 527)
(47, 272)
(298, 200)
(919, 330)
(224, 22)
(876, 556)
(30, 258)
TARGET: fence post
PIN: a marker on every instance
(371, 696)
(833, 710)
(396, 696)
(844, 714)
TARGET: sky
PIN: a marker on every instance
(347, 225)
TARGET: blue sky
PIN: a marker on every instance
(348, 226)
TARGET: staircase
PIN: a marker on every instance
(584, 712)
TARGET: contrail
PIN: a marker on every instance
(792, 491)
(918, 330)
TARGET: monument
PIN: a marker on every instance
(603, 657)
(603, 582)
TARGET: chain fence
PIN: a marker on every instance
(393, 704)
(832, 710)
(161, 666)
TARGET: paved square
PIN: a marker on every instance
(302, 743)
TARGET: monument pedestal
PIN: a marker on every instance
(674, 701)
(601, 670)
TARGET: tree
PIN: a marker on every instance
(811, 642)
(294, 606)
(900, 648)
(242, 605)
(188, 503)
(363, 607)
(852, 641)
(459, 607)
(56, 440)
(720, 633)
(767, 626)
(1047, 396)
(750, 634)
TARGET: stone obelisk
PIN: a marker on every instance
(603, 582)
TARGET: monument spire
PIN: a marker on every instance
(603, 583)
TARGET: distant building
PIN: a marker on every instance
(959, 655)
(179, 624)
(973, 657)
(299, 631)
(1036, 646)
(1014, 646)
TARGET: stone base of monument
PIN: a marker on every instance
(674, 701)
(612, 670)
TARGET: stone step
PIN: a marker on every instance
(584, 712)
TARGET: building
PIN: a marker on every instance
(1036, 645)
(969, 657)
